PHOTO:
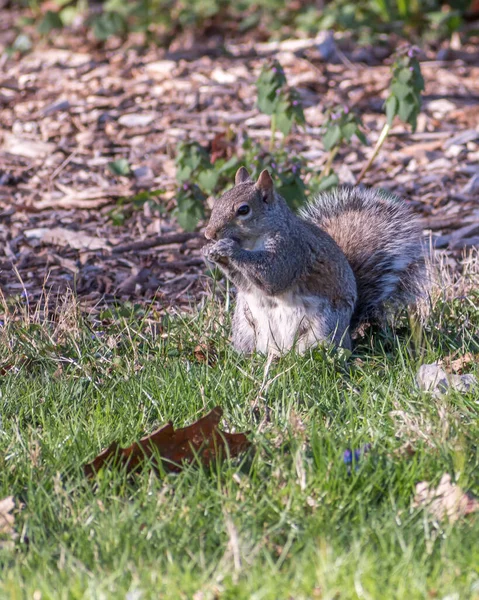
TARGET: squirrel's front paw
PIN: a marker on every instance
(220, 251)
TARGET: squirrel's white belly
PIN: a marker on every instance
(284, 321)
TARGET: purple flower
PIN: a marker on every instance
(273, 165)
(2, 323)
(295, 102)
(356, 453)
(294, 169)
(185, 186)
(348, 457)
(410, 52)
(274, 70)
(334, 116)
(346, 110)
(278, 91)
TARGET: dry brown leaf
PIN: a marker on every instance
(202, 439)
(206, 353)
(7, 520)
(448, 500)
(458, 365)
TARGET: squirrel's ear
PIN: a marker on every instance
(265, 184)
(241, 176)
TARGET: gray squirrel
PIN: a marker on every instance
(313, 278)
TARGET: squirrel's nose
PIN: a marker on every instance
(210, 234)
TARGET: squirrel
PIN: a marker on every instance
(314, 277)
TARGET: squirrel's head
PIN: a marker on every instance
(245, 212)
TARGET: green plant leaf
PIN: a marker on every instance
(293, 193)
(407, 107)
(405, 75)
(68, 15)
(348, 130)
(50, 21)
(400, 90)
(108, 24)
(119, 167)
(190, 209)
(332, 137)
(229, 166)
(328, 182)
(284, 119)
(267, 101)
(208, 180)
(391, 106)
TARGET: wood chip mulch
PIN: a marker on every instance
(68, 110)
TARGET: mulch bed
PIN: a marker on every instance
(68, 109)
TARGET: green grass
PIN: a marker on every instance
(286, 521)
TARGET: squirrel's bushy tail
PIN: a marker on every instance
(382, 242)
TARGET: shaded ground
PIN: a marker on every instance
(66, 113)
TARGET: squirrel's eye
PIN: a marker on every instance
(243, 210)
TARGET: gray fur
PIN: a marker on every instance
(382, 242)
(308, 279)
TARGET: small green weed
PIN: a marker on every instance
(278, 100)
(199, 177)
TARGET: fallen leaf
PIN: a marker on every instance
(7, 520)
(433, 378)
(202, 439)
(206, 353)
(457, 365)
(448, 500)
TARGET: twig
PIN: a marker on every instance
(273, 133)
(379, 143)
(452, 222)
(327, 167)
(160, 240)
